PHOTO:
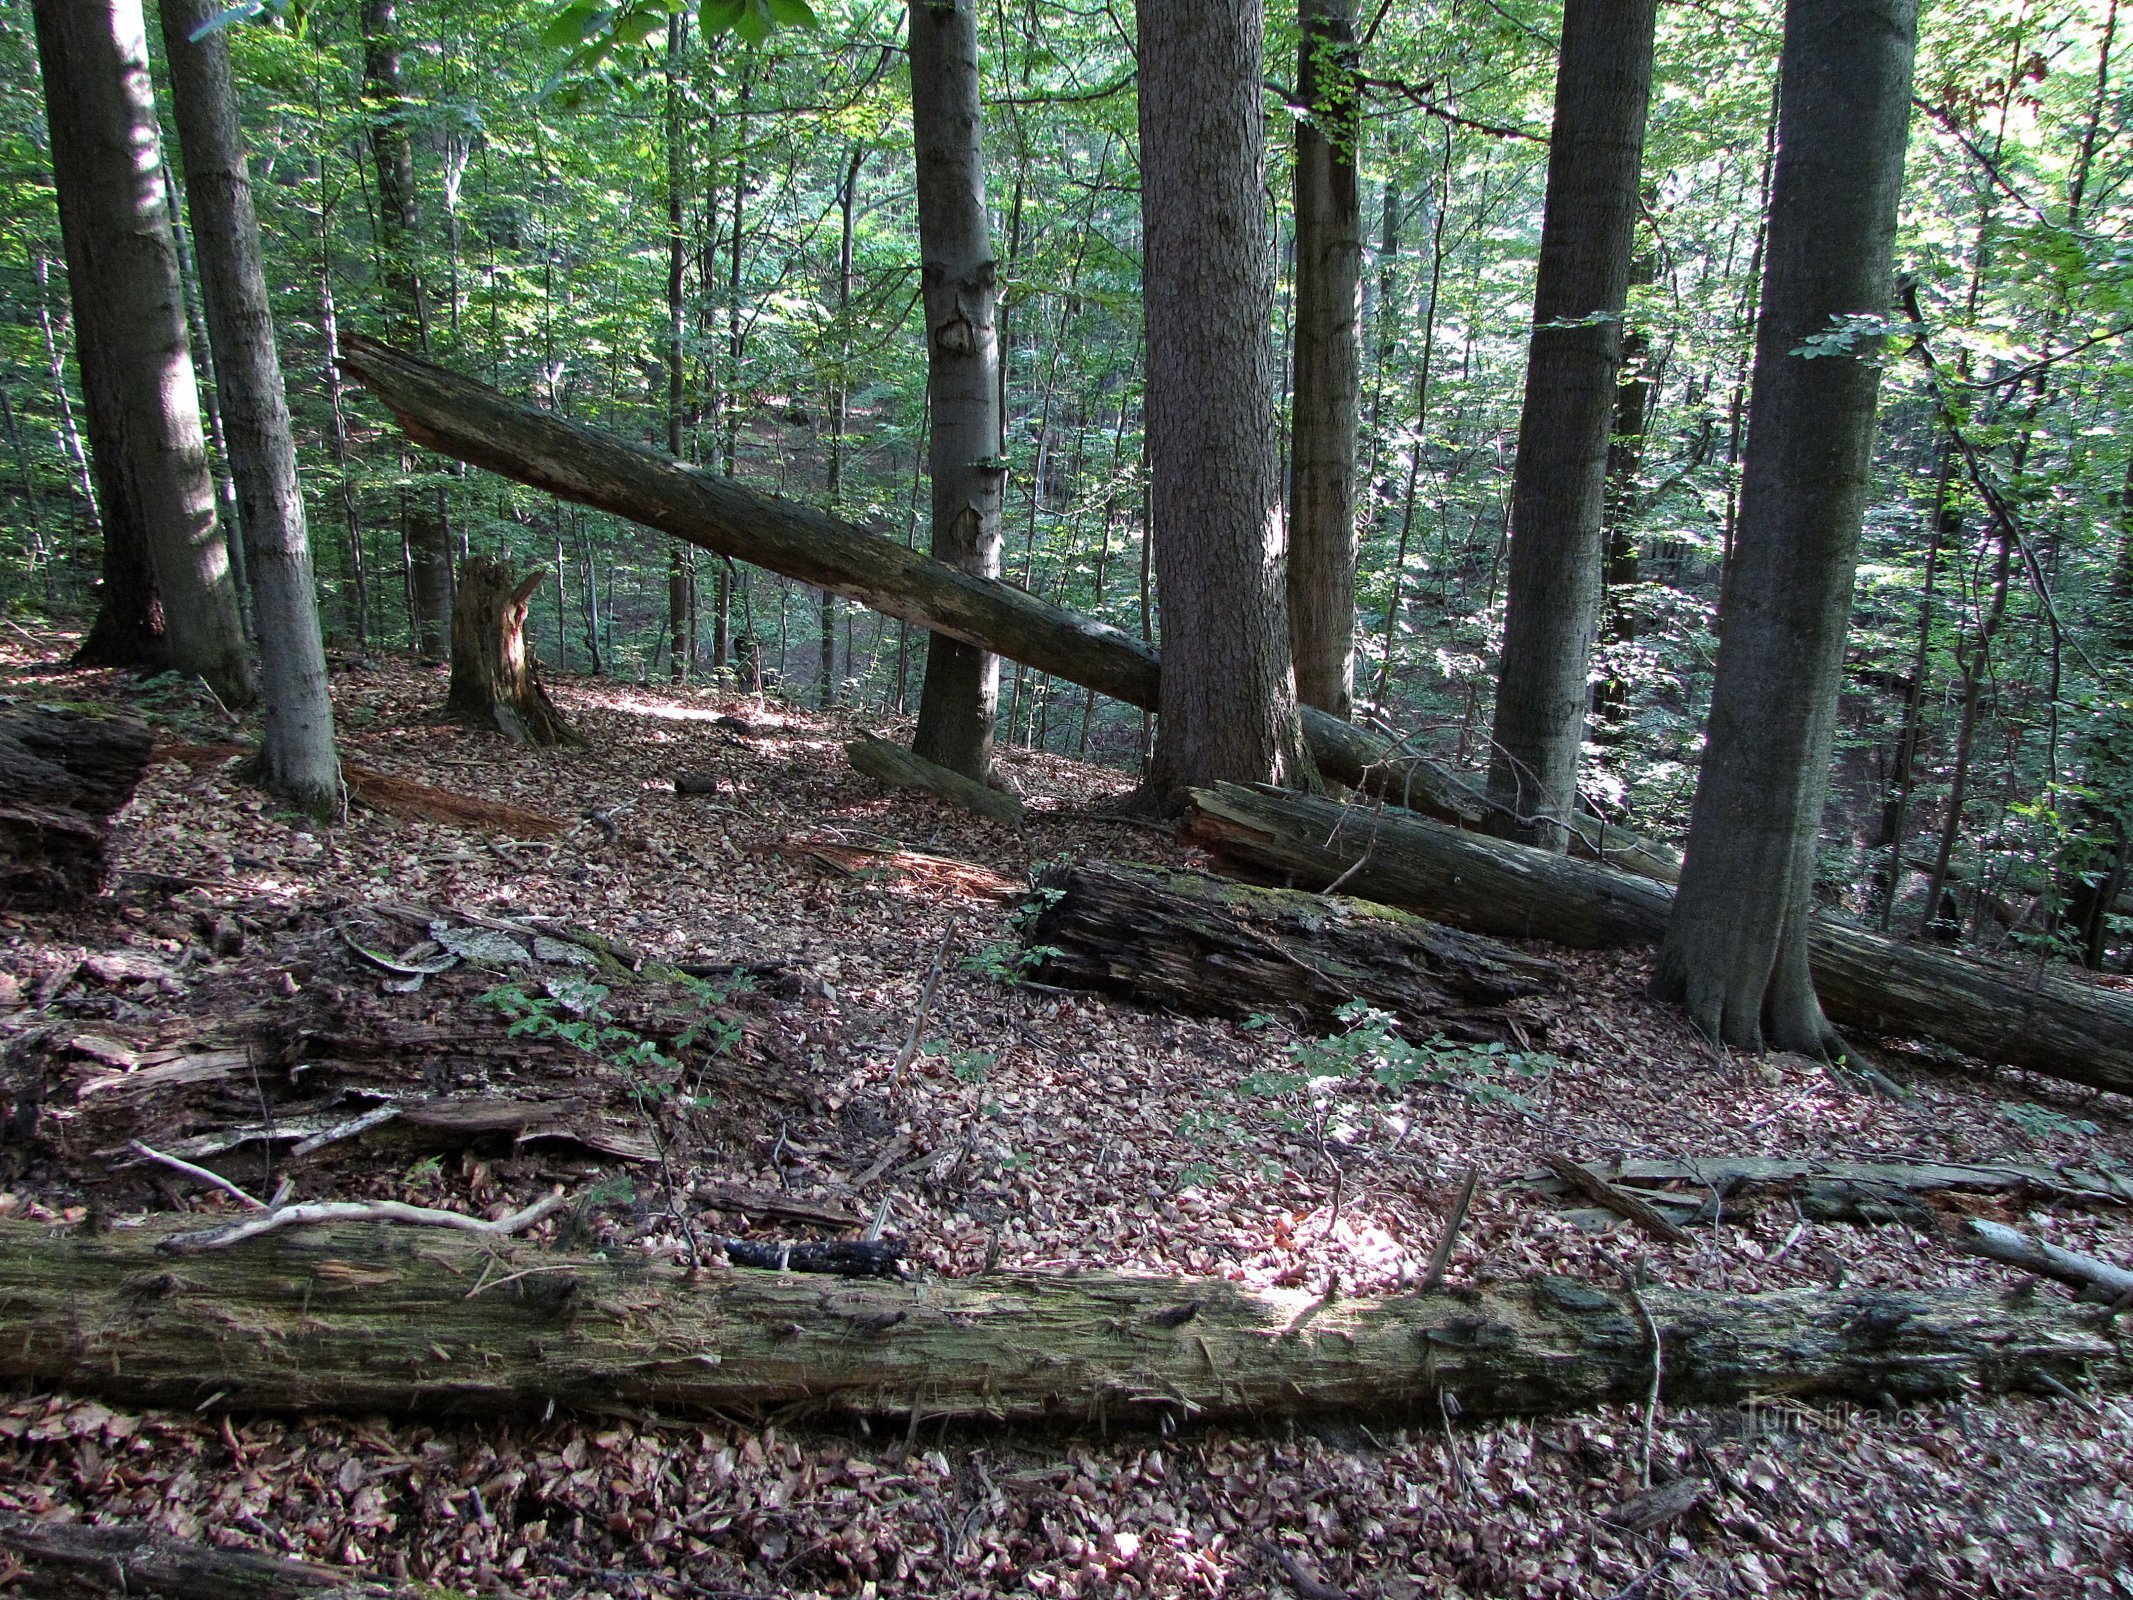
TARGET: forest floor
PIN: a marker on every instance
(1034, 1129)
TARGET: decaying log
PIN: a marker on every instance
(1209, 944)
(1814, 1181)
(63, 772)
(2020, 1018)
(367, 1320)
(496, 682)
(72, 1558)
(900, 768)
(1620, 1201)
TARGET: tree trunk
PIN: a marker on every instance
(356, 1320)
(1329, 356)
(1736, 951)
(1213, 945)
(296, 752)
(496, 682)
(478, 425)
(62, 774)
(137, 373)
(680, 635)
(959, 699)
(1558, 489)
(2018, 1016)
(429, 541)
(1228, 706)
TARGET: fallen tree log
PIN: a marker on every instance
(2028, 1019)
(1829, 1191)
(1208, 944)
(474, 423)
(901, 769)
(432, 1323)
(63, 773)
(71, 1558)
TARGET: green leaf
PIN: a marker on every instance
(638, 25)
(793, 14)
(754, 24)
(719, 16)
(570, 26)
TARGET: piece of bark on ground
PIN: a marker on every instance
(74, 1558)
(900, 768)
(1210, 944)
(2099, 1280)
(359, 1320)
(2022, 1018)
(1616, 1199)
(63, 772)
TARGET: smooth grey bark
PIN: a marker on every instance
(138, 384)
(1323, 412)
(429, 540)
(1228, 707)
(296, 751)
(1736, 950)
(960, 698)
(1558, 486)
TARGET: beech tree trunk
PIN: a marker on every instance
(296, 751)
(1329, 353)
(62, 774)
(1558, 488)
(355, 1320)
(1737, 949)
(1228, 703)
(142, 399)
(2018, 1016)
(1208, 944)
(960, 697)
(399, 217)
(496, 681)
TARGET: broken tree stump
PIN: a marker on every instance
(358, 1320)
(1207, 944)
(2021, 1018)
(63, 772)
(902, 769)
(496, 683)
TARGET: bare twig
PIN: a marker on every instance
(1442, 1257)
(376, 1117)
(1651, 1398)
(270, 1219)
(925, 1004)
(200, 1174)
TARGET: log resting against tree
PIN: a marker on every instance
(62, 773)
(2020, 1018)
(358, 1320)
(474, 423)
(1210, 944)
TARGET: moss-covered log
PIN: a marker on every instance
(63, 772)
(414, 1322)
(900, 768)
(2023, 1018)
(1209, 944)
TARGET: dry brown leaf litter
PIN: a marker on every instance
(1044, 1130)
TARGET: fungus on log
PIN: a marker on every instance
(496, 683)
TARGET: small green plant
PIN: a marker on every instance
(1007, 962)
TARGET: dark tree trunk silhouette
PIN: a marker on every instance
(1736, 950)
(1558, 489)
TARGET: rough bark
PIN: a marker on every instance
(399, 218)
(362, 1321)
(496, 682)
(892, 764)
(62, 774)
(2016, 1016)
(961, 692)
(296, 751)
(62, 1558)
(1213, 945)
(1329, 354)
(142, 401)
(1558, 487)
(1737, 950)
(1228, 703)
(473, 422)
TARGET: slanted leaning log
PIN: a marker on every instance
(2019, 1017)
(350, 1319)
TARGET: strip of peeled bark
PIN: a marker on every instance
(355, 1320)
(1212, 944)
(2023, 1019)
